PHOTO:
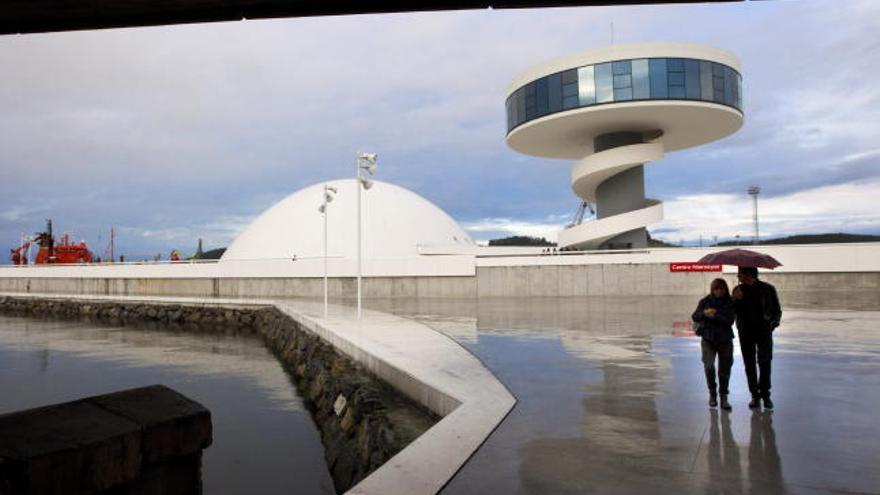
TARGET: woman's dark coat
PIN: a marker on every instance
(717, 329)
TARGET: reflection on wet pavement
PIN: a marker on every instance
(612, 398)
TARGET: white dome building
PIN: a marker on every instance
(396, 222)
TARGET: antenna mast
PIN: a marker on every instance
(111, 248)
(754, 191)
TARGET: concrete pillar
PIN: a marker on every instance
(622, 193)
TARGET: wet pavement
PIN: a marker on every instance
(612, 397)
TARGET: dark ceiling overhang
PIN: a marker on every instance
(38, 16)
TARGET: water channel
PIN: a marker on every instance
(264, 439)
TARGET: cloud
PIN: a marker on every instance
(808, 103)
(490, 228)
(175, 133)
(219, 232)
(18, 213)
(835, 208)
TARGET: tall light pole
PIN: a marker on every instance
(754, 191)
(365, 162)
(329, 194)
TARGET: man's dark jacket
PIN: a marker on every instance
(758, 311)
(718, 329)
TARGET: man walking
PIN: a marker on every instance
(757, 314)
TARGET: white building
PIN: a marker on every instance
(396, 222)
(615, 109)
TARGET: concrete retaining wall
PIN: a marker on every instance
(642, 279)
(823, 281)
(588, 280)
(495, 281)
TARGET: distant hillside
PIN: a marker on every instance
(811, 239)
(521, 240)
(658, 243)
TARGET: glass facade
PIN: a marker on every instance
(625, 80)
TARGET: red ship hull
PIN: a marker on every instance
(65, 253)
(51, 252)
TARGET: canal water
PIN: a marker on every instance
(264, 438)
(612, 398)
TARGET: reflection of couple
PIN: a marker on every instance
(764, 467)
(755, 307)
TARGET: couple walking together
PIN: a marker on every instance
(755, 307)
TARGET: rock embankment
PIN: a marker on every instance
(352, 408)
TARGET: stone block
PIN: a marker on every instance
(172, 424)
(125, 442)
(68, 448)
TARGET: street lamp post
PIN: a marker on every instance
(365, 162)
(329, 194)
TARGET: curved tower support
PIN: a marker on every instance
(613, 180)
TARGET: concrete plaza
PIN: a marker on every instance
(612, 397)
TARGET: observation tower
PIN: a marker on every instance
(614, 109)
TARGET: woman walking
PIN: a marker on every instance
(713, 321)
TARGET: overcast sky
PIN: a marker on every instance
(175, 133)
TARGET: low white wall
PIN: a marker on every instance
(423, 266)
(841, 266)
(505, 281)
(806, 258)
(854, 257)
(245, 287)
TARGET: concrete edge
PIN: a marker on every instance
(418, 361)
(437, 401)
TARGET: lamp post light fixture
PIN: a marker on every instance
(365, 162)
(754, 191)
(329, 194)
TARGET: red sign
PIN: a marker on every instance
(683, 329)
(693, 267)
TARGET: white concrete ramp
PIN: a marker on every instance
(429, 367)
